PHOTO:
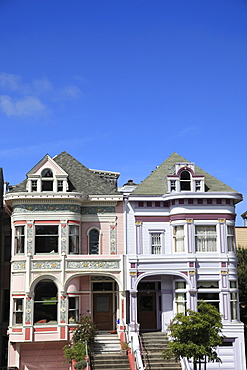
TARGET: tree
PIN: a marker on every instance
(196, 334)
(242, 283)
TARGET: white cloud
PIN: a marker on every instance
(24, 99)
(10, 81)
(70, 92)
(41, 86)
(26, 106)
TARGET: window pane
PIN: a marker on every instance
(20, 239)
(46, 240)
(73, 309)
(206, 239)
(47, 172)
(94, 242)
(73, 239)
(45, 303)
(178, 233)
(156, 243)
(47, 185)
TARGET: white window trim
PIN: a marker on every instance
(162, 240)
(217, 236)
(77, 297)
(174, 238)
(100, 246)
(16, 311)
(79, 237)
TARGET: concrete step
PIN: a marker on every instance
(154, 343)
(106, 343)
(110, 361)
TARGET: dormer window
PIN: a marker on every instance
(46, 182)
(173, 185)
(34, 185)
(182, 177)
(185, 181)
(198, 185)
(60, 185)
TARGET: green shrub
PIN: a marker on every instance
(74, 351)
(85, 331)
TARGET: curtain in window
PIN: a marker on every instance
(179, 238)
(206, 239)
(230, 238)
(180, 302)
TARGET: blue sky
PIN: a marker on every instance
(121, 84)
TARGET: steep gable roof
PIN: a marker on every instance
(81, 179)
(156, 182)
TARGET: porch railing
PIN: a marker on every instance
(185, 363)
(135, 345)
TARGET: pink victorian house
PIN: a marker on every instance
(67, 258)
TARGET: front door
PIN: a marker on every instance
(147, 311)
(102, 311)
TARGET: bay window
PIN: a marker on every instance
(178, 238)
(208, 291)
(46, 239)
(206, 238)
(234, 299)
(230, 238)
(180, 297)
(73, 239)
(19, 239)
(18, 311)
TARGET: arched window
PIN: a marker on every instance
(45, 302)
(94, 241)
(185, 181)
(47, 180)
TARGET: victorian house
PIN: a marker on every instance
(180, 249)
(67, 258)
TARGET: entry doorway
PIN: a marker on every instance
(104, 302)
(147, 311)
(103, 311)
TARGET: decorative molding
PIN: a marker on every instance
(224, 272)
(19, 265)
(63, 237)
(46, 265)
(63, 309)
(113, 249)
(138, 223)
(30, 238)
(189, 220)
(28, 311)
(53, 207)
(96, 210)
(24, 208)
(86, 265)
(222, 220)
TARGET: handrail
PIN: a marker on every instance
(132, 339)
(142, 351)
(185, 363)
(86, 348)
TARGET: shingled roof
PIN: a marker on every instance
(82, 179)
(156, 182)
